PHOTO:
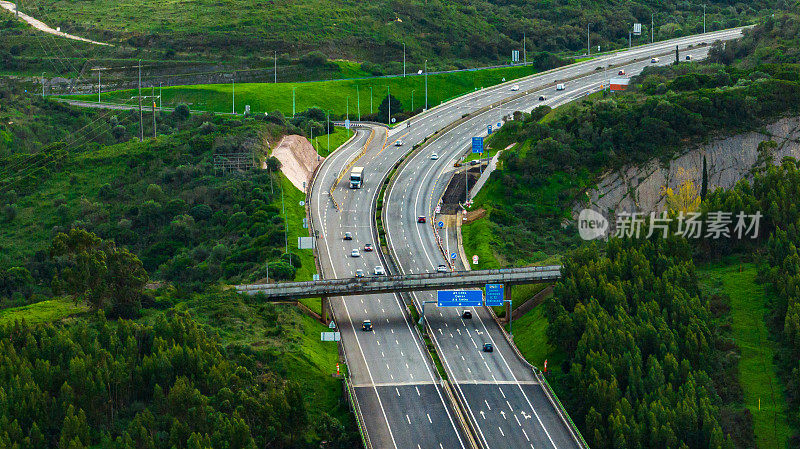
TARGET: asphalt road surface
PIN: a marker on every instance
(397, 388)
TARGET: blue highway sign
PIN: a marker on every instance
(489, 129)
(494, 294)
(453, 255)
(459, 298)
(477, 144)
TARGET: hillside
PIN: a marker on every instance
(375, 31)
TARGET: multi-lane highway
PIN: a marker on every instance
(398, 389)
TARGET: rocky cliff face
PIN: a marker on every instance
(640, 189)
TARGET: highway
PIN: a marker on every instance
(394, 381)
(397, 387)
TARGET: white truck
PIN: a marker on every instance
(357, 177)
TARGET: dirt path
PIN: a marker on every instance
(39, 25)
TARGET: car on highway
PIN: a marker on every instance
(560, 86)
(348, 236)
(368, 247)
(355, 253)
(467, 315)
(688, 57)
(515, 87)
(421, 219)
(398, 143)
(379, 271)
(487, 347)
(434, 156)
(359, 273)
(442, 268)
(621, 72)
(654, 60)
(366, 325)
(542, 98)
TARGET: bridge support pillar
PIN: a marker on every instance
(325, 309)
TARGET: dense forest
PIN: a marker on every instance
(115, 248)
(449, 33)
(560, 153)
(641, 348)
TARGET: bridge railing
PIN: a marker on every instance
(547, 272)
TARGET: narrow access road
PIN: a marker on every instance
(41, 26)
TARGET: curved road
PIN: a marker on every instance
(397, 388)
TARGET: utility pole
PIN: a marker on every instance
(370, 100)
(652, 24)
(160, 104)
(389, 100)
(233, 94)
(404, 59)
(98, 84)
(630, 34)
(141, 126)
(412, 100)
(426, 84)
(358, 103)
(293, 103)
(347, 116)
(42, 84)
(329, 130)
(276, 66)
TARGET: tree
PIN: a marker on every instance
(97, 271)
(383, 109)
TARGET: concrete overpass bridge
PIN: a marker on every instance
(403, 283)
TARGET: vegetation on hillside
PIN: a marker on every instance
(556, 159)
(640, 360)
(448, 33)
(97, 225)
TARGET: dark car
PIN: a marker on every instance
(368, 247)
(348, 236)
(421, 219)
(487, 347)
(466, 314)
(366, 325)
(621, 73)
(542, 98)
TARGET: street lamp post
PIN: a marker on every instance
(389, 102)
(426, 84)
(704, 17)
(233, 93)
(293, 103)
(358, 103)
(588, 46)
(412, 100)
(404, 59)
(42, 84)
(370, 100)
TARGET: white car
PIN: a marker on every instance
(434, 156)
(379, 271)
(355, 253)
(515, 87)
(560, 86)
(398, 143)
(441, 268)
(654, 60)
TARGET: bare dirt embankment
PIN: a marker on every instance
(298, 160)
(640, 189)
